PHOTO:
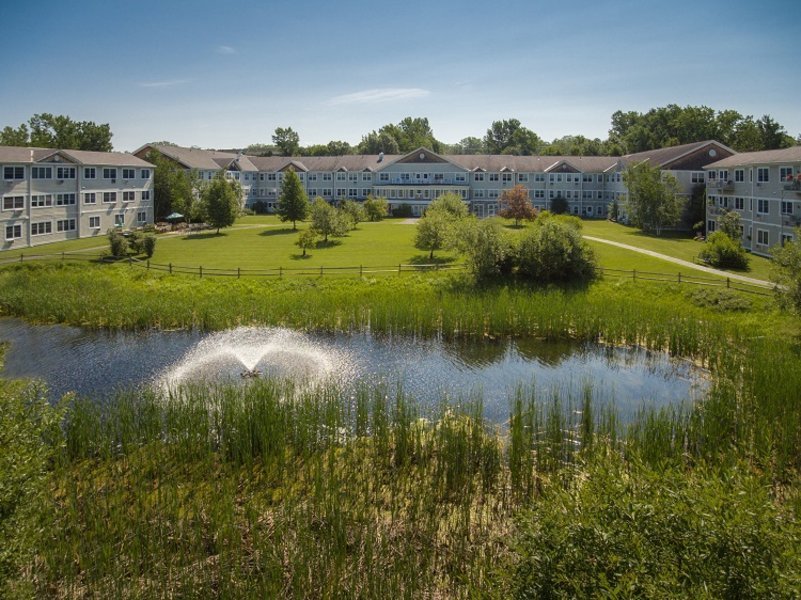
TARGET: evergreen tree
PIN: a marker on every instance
(221, 202)
(293, 203)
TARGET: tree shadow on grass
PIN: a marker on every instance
(300, 256)
(328, 244)
(423, 259)
(276, 231)
(204, 236)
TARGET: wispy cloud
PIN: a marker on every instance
(163, 84)
(226, 50)
(379, 95)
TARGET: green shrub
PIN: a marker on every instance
(488, 250)
(553, 251)
(118, 243)
(723, 252)
(627, 532)
(149, 245)
(404, 210)
(376, 208)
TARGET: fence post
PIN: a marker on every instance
(280, 272)
(170, 268)
(728, 282)
(399, 268)
(148, 264)
(679, 276)
(634, 274)
(20, 257)
(361, 271)
(238, 273)
(321, 270)
(200, 270)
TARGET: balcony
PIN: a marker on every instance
(423, 182)
(793, 185)
(725, 186)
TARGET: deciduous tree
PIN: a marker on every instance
(376, 208)
(287, 141)
(327, 220)
(653, 201)
(515, 204)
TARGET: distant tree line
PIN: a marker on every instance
(58, 131)
(631, 132)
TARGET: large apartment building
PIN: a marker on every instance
(588, 184)
(764, 188)
(50, 195)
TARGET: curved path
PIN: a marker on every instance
(685, 263)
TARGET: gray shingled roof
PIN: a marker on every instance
(765, 157)
(20, 154)
(350, 162)
(191, 158)
(664, 156)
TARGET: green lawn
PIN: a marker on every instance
(263, 242)
(671, 244)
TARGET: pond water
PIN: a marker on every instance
(97, 363)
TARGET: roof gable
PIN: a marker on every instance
(422, 156)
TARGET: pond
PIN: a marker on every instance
(98, 363)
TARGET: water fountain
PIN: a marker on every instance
(247, 353)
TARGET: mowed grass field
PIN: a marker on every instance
(677, 245)
(264, 242)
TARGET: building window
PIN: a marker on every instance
(539, 194)
(109, 173)
(42, 228)
(327, 192)
(39, 200)
(739, 175)
(144, 174)
(353, 177)
(785, 173)
(763, 206)
(13, 202)
(65, 225)
(493, 193)
(367, 176)
(89, 173)
(763, 174)
(10, 173)
(128, 196)
(539, 177)
(507, 177)
(89, 198)
(787, 207)
(119, 220)
(94, 222)
(128, 173)
(145, 195)
(326, 176)
(342, 176)
(493, 176)
(312, 176)
(477, 193)
(13, 232)
(141, 216)
(65, 173)
(109, 197)
(762, 237)
(42, 172)
(351, 192)
(65, 199)
(739, 203)
(786, 238)
(723, 175)
(478, 176)
(697, 177)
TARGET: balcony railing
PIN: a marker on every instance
(793, 186)
(726, 186)
(432, 181)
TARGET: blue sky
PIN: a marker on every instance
(217, 74)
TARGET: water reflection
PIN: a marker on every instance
(95, 363)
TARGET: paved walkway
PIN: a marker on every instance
(684, 263)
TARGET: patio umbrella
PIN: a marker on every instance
(174, 217)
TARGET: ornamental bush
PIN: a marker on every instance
(723, 252)
(553, 251)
